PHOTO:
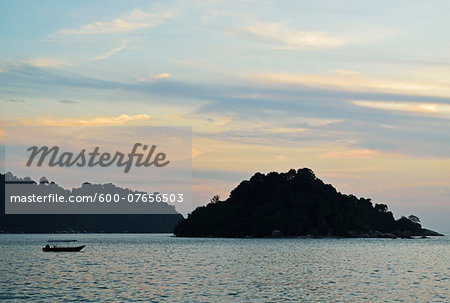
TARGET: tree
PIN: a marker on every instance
(414, 219)
(43, 180)
(215, 199)
(381, 207)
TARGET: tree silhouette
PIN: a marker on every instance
(215, 199)
(414, 219)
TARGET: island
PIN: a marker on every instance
(162, 221)
(293, 204)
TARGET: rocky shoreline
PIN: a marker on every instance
(404, 234)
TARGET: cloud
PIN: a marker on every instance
(160, 76)
(68, 102)
(153, 76)
(293, 106)
(25, 75)
(196, 152)
(221, 121)
(350, 153)
(354, 81)
(117, 120)
(130, 22)
(287, 38)
(428, 108)
(16, 100)
(111, 52)
(46, 62)
(251, 96)
(280, 157)
(284, 130)
(329, 122)
(186, 62)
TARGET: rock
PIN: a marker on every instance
(377, 234)
(390, 236)
(404, 234)
(352, 234)
(430, 233)
(277, 233)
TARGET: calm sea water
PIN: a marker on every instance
(161, 268)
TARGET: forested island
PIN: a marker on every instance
(86, 223)
(295, 203)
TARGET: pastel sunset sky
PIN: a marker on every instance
(358, 91)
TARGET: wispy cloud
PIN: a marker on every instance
(130, 22)
(117, 120)
(153, 76)
(429, 108)
(68, 102)
(350, 153)
(16, 100)
(220, 121)
(354, 81)
(285, 37)
(111, 52)
(46, 62)
(285, 130)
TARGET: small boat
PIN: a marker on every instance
(57, 248)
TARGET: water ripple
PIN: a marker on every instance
(160, 268)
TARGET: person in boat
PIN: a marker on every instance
(47, 247)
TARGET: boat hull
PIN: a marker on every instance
(75, 248)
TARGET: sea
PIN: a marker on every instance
(163, 268)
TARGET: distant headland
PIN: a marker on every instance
(292, 204)
(162, 221)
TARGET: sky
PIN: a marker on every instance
(358, 91)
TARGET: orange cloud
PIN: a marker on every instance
(153, 76)
(350, 153)
(47, 62)
(285, 130)
(118, 120)
(196, 152)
